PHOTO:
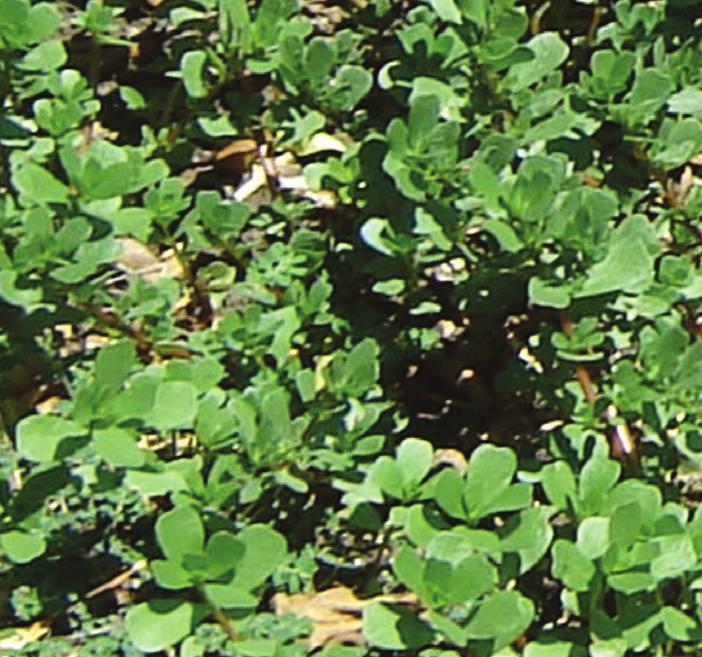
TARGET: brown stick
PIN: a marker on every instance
(621, 439)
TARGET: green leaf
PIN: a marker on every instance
(230, 596)
(224, 551)
(171, 575)
(549, 53)
(559, 483)
(44, 438)
(471, 578)
(414, 458)
(475, 11)
(446, 10)
(650, 91)
(352, 83)
(593, 537)
(22, 547)
(687, 101)
(487, 489)
(37, 185)
(680, 626)
(555, 649)
(387, 475)
(610, 71)
(47, 56)
(155, 483)
(550, 296)
(175, 406)
(264, 550)
(453, 632)
(597, 478)
(113, 364)
(180, 533)
(372, 234)
(234, 24)
(319, 59)
(571, 566)
(447, 489)
(529, 534)
(158, 624)
(461, 542)
(677, 555)
(192, 65)
(118, 447)
(501, 617)
(15, 295)
(394, 628)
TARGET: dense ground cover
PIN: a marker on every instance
(355, 328)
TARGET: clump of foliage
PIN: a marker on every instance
(355, 328)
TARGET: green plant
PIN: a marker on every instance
(350, 328)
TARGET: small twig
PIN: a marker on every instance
(622, 442)
(117, 580)
(535, 22)
(594, 24)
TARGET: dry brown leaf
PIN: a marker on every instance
(336, 613)
(678, 191)
(451, 457)
(23, 636)
(137, 259)
(237, 156)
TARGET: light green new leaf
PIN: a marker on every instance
(571, 566)
(37, 185)
(192, 67)
(14, 295)
(180, 532)
(47, 56)
(113, 364)
(414, 458)
(175, 406)
(160, 623)
(394, 628)
(593, 537)
(680, 626)
(555, 649)
(597, 478)
(22, 547)
(40, 437)
(559, 484)
(677, 555)
(549, 53)
(264, 550)
(118, 447)
(446, 10)
(501, 617)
